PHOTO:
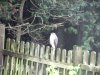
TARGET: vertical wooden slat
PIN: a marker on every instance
(85, 57)
(93, 58)
(27, 45)
(30, 69)
(58, 54)
(16, 66)
(47, 53)
(85, 61)
(52, 54)
(84, 72)
(2, 39)
(77, 55)
(27, 67)
(37, 64)
(2, 36)
(69, 57)
(98, 60)
(24, 69)
(6, 59)
(8, 43)
(46, 72)
(17, 46)
(90, 73)
(64, 55)
(37, 49)
(64, 70)
(32, 49)
(12, 45)
(6, 65)
(42, 50)
(21, 66)
(40, 69)
(1, 63)
(12, 65)
(22, 47)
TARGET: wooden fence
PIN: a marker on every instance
(27, 58)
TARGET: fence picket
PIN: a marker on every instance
(42, 50)
(8, 44)
(22, 47)
(21, 66)
(13, 45)
(69, 57)
(98, 60)
(52, 55)
(37, 65)
(93, 58)
(12, 65)
(37, 49)
(77, 55)
(16, 66)
(58, 54)
(47, 53)
(85, 57)
(64, 55)
(24, 67)
(26, 50)
(32, 49)
(17, 50)
(6, 65)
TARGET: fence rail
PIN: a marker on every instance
(28, 58)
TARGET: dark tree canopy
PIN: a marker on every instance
(80, 20)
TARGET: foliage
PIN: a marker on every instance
(73, 70)
(52, 70)
(78, 12)
(8, 8)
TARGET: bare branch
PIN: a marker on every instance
(45, 26)
(33, 4)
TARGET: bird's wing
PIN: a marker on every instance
(56, 41)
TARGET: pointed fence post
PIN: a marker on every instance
(2, 37)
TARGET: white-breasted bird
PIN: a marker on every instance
(53, 40)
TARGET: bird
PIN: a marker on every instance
(53, 41)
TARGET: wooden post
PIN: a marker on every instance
(2, 37)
